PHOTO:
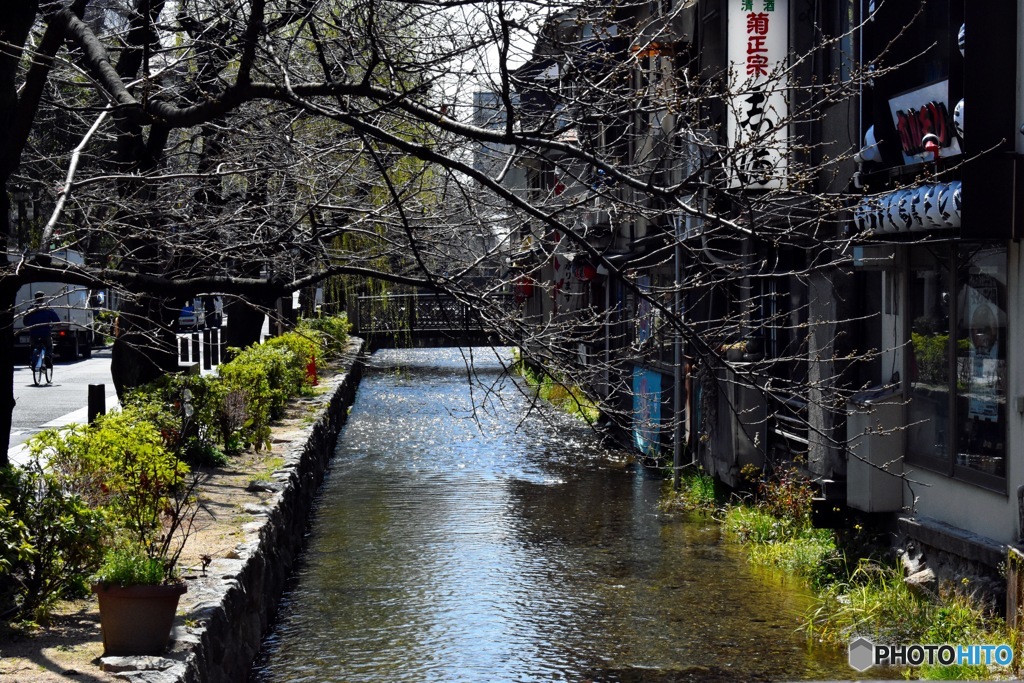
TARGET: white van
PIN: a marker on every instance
(73, 337)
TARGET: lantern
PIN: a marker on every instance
(522, 288)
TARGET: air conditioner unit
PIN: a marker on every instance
(875, 256)
(875, 438)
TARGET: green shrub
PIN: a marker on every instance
(256, 377)
(14, 545)
(334, 330)
(787, 496)
(257, 383)
(193, 438)
(120, 464)
(778, 533)
(304, 348)
(130, 565)
(50, 541)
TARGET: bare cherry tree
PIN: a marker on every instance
(598, 180)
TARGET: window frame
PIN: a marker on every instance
(946, 463)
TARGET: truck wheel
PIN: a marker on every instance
(70, 351)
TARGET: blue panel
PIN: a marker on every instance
(646, 410)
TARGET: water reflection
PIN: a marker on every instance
(457, 540)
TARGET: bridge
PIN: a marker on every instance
(421, 321)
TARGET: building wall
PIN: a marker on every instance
(987, 513)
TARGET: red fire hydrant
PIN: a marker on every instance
(311, 371)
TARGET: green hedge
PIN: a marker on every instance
(50, 541)
(113, 485)
(235, 408)
(333, 331)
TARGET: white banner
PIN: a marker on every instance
(758, 51)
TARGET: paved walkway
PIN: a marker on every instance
(18, 455)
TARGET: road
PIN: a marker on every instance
(63, 401)
(66, 399)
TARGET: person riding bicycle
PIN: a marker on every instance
(39, 322)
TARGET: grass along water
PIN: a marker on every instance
(556, 391)
(854, 596)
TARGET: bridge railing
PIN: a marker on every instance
(412, 313)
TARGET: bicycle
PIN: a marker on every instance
(42, 364)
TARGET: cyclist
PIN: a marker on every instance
(39, 322)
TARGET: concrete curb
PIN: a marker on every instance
(228, 611)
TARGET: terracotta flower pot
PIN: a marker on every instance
(137, 620)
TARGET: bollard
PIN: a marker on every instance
(215, 346)
(206, 350)
(97, 401)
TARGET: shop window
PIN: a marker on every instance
(956, 365)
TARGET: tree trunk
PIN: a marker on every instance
(8, 295)
(145, 348)
(307, 301)
(245, 322)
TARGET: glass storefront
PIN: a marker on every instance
(956, 368)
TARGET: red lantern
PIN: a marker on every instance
(522, 288)
(585, 272)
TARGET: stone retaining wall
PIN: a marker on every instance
(229, 610)
(934, 553)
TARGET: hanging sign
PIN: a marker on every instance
(920, 112)
(758, 48)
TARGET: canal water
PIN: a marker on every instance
(463, 536)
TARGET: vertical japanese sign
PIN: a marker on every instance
(758, 46)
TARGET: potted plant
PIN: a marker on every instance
(148, 494)
(137, 602)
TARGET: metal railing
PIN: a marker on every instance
(413, 313)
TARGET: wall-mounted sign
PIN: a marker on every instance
(920, 112)
(757, 121)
